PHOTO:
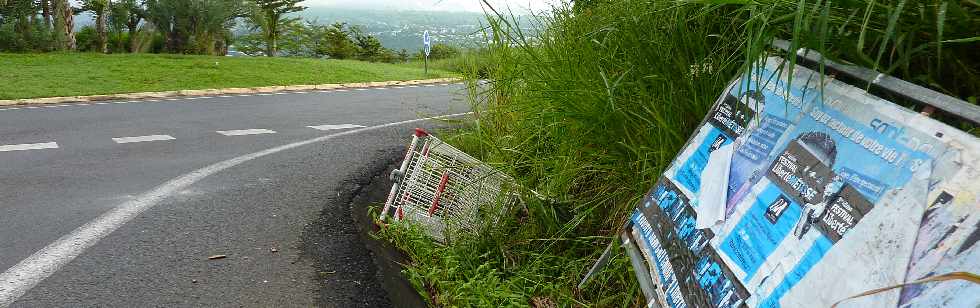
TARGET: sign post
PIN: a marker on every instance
(426, 49)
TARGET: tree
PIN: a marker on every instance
(194, 26)
(269, 16)
(45, 12)
(64, 25)
(369, 47)
(100, 11)
(128, 14)
(443, 51)
(339, 44)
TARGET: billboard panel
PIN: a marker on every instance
(806, 192)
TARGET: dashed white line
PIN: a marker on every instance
(430, 85)
(29, 272)
(143, 138)
(32, 107)
(361, 89)
(342, 90)
(243, 132)
(264, 94)
(28, 146)
(300, 92)
(123, 102)
(335, 126)
(50, 106)
(101, 103)
(413, 86)
(224, 96)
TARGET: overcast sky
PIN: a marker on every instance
(433, 5)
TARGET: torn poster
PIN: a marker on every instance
(830, 192)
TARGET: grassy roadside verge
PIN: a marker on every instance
(593, 110)
(72, 74)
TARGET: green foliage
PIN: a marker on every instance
(195, 26)
(269, 17)
(314, 40)
(441, 51)
(590, 111)
(24, 36)
(87, 39)
(31, 75)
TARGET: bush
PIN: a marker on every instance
(14, 38)
(87, 39)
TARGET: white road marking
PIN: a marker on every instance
(25, 147)
(399, 87)
(32, 107)
(413, 86)
(342, 90)
(225, 96)
(124, 102)
(27, 273)
(151, 100)
(83, 104)
(50, 106)
(300, 92)
(264, 94)
(143, 138)
(430, 85)
(172, 99)
(324, 91)
(12, 108)
(101, 103)
(243, 132)
(361, 89)
(336, 126)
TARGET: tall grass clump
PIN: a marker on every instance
(592, 108)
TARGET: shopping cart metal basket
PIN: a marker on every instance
(446, 191)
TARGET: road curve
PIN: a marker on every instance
(239, 176)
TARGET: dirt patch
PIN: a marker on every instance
(353, 269)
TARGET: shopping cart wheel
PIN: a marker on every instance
(396, 175)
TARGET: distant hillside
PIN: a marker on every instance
(403, 29)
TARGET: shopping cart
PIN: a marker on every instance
(447, 192)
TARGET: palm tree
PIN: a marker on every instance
(269, 16)
(64, 25)
(99, 8)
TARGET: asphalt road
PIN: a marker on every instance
(192, 181)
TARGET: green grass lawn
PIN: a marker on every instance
(70, 74)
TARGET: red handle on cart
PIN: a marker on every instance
(442, 187)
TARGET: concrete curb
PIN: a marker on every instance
(206, 92)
